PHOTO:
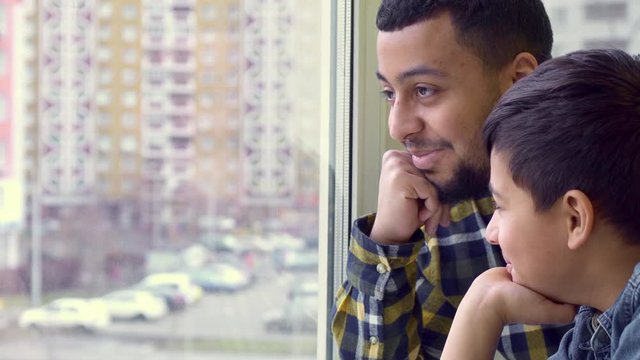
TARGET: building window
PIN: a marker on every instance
(106, 10)
(129, 77)
(130, 11)
(3, 108)
(129, 144)
(209, 12)
(3, 65)
(106, 76)
(103, 98)
(129, 99)
(3, 20)
(129, 120)
(130, 56)
(606, 11)
(129, 34)
(606, 43)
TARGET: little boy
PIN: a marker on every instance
(565, 176)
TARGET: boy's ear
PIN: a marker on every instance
(579, 215)
(521, 65)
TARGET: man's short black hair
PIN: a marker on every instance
(495, 30)
(574, 123)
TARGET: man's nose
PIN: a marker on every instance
(404, 120)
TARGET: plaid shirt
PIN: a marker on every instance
(398, 301)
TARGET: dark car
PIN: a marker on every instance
(173, 297)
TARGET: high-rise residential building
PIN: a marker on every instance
(580, 24)
(177, 113)
(11, 179)
(280, 110)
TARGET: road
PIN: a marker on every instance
(220, 326)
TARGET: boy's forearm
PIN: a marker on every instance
(474, 333)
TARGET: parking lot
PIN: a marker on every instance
(229, 325)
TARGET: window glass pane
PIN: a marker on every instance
(579, 24)
(171, 205)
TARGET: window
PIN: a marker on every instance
(209, 11)
(3, 108)
(130, 11)
(606, 11)
(3, 64)
(172, 226)
(3, 20)
(129, 120)
(605, 43)
(129, 34)
(129, 99)
(129, 77)
(129, 144)
(129, 56)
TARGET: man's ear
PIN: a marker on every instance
(578, 212)
(521, 65)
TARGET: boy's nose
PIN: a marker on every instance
(492, 230)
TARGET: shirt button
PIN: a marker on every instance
(381, 268)
(373, 340)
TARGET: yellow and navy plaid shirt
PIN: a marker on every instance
(398, 301)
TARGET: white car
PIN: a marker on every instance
(134, 304)
(72, 313)
(299, 313)
(180, 281)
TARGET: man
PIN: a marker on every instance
(564, 146)
(442, 66)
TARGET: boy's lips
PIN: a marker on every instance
(508, 264)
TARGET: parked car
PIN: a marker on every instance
(70, 313)
(180, 281)
(174, 299)
(299, 313)
(221, 277)
(134, 304)
(296, 260)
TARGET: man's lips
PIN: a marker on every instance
(426, 160)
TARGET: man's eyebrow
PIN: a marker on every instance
(419, 70)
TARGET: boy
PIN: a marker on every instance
(565, 165)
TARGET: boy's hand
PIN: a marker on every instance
(493, 301)
(495, 292)
(406, 201)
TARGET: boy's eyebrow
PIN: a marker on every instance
(494, 192)
(418, 70)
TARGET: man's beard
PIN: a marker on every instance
(468, 182)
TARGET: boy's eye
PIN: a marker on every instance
(424, 91)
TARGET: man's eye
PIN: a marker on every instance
(388, 95)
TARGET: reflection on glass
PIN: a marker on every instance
(159, 179)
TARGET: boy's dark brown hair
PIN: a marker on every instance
(574, 123)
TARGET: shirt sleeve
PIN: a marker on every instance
(399, 301)
(376, 315)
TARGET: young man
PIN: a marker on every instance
(442, 65)
(565, 169)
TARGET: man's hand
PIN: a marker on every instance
(406, 201)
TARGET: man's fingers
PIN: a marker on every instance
(445, 219)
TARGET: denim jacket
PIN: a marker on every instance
(614, 334)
